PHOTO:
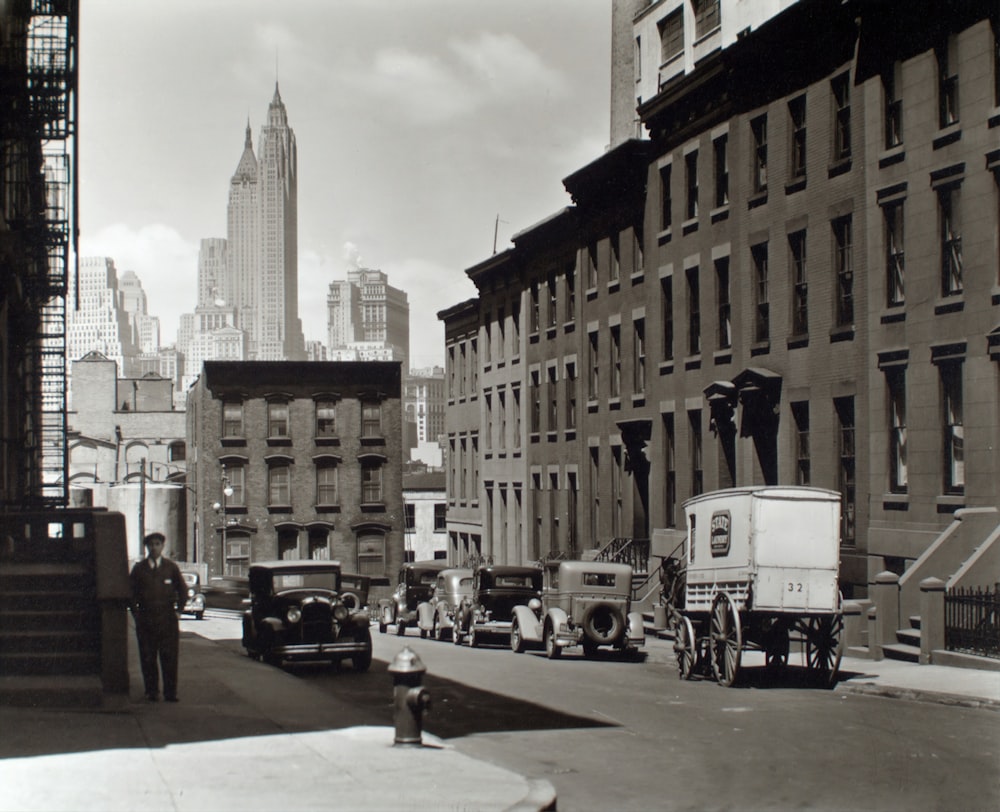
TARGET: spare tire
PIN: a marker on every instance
(351, 601)
(603, 624)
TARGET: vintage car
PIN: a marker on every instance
(298, 612)
(226, 592)
(195, 603)
(583, 602)
(416, 580)
(496, 591)
(436, 616)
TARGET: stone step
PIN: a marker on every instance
(914, 621)
(49, 640)
(52, 663)
(61, 691)
(902, 651)
(909, 637)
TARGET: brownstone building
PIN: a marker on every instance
(297, 460)
(791, 279)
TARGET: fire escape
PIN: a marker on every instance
(39, 165)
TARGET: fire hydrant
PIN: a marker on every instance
(411, 698)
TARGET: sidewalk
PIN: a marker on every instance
(245, 736)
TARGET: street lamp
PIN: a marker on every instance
(227, 491)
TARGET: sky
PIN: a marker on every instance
(423, 128)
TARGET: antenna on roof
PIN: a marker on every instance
(496, 227)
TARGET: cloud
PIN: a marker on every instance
(505, 68)
(352, 256)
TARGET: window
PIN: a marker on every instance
(176, 451)
(516, 413)
(319, 545)
(232, 419)
(553, 313)
(409, 516)
(723, 304)
(371, 420)
(947, 82)
(893, 107)
(237, 555)
(595, 492)
(326, 418)
(570, 293)
(952, 428)
(639, 356)
(371, 481)
(797, 116)
(536, 404)
(616, 491)
(279, 491)
(758, 132)
(614, 274)
(895, 380)
(488, 405)
(570, 397)
(616, 361)
(288, 544)
(697, 472)
(720, 152)
(595, 366)
(841, 88)
(473, 366)
(501, 340)
(761, 303)
(800, 415)
(235, 475)
(440, 517)
(800, 283)
(553, 416)
(671, 36)
(665, 200)
(707, 17)
(694, 312)
(895, 275)
(326, 484)
(951, 241)
(535, 315)
(691, 180)
(277, 419)
(637, 252)
(843, 264)
(667, 304)
(371, 554)
(845, 475)
(670, 464)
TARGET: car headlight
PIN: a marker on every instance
(534, 604)
(340, 612)
(190, 593)
(294, 614)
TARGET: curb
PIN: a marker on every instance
(541, 797)
(918, 695)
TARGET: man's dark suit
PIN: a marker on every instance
(157, 596)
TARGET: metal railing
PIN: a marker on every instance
(627, 550)
(972, 620)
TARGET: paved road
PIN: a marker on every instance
(622, 735)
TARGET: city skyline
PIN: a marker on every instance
(421, 135)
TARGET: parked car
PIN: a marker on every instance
(354, 591)
(297, 612)
(195, 603)
(583, 602)
(496, 591)
(416, 580)
(226, 592)
(436, 616)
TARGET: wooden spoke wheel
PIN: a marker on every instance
(776, 648)
(824, 646)
(686, 647)
(726, 645)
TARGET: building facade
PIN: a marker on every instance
(778, 285)
(297, 460)
(426, 516)
(424, 408)
(366, 312)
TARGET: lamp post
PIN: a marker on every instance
(227, 491)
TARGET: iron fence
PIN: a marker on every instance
(972, 620)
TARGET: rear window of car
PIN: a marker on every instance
(513, 580)
(311, 580)
(428, 577)
(465, 582)
(599, 579)
(190, 578)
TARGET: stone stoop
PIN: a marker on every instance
(907, 645)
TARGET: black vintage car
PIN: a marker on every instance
(496, 590)
(298, 612)
(415, 584)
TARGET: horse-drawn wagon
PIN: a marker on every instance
(759, 567)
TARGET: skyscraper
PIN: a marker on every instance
(262, 258)
(366, 313)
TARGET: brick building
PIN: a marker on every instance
(303, 460)
(726, 302)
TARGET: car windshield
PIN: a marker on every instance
(513, 580)
(308, 580)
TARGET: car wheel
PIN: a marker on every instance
(400, 628)
(438, 632)
(552, 651)
(362, 660)
(456, 634)
(473, 637)
(516, 641)
(381, 627)
(199, 615)
(423, 634)
(589, 648)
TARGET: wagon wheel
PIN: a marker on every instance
(776, 647)
(686, 647)
(726, 640)
(824, 646)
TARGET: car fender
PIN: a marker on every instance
(387, 610)
(529, 624)
(634, 630)
(425, 616)
(557, 617)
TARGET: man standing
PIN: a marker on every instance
(158, 595)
